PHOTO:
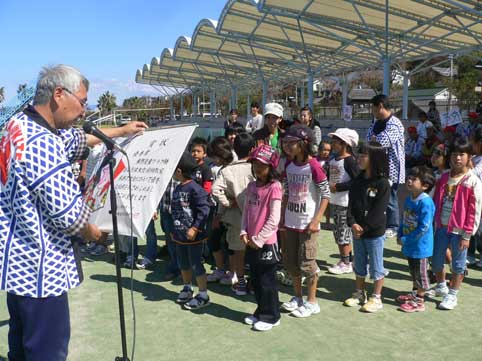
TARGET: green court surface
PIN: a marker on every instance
(166, 332)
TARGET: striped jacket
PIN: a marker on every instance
(40, 207)
(393, 140)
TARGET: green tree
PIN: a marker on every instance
(106, 103)
(463, 85)
(135, 103)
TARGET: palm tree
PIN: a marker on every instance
(2, 94)
(21, 88)
(106, 103)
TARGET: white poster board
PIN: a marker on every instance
(452, 117)
(347, 113)
(153, 157)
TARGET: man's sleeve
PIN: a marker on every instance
(49, 174)
(75, 141)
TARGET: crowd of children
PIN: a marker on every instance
(255, 199)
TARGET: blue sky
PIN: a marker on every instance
(107, 40)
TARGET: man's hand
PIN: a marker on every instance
(464, 244)
(191, 234)
(332, 187)
(155, 216)
(133, 128)
(357, 231)
(90, 232)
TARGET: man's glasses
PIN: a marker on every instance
(83, 102)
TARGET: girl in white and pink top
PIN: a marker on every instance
(261, 216)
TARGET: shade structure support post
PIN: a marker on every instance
(234, 97)
(171, 107)
(406, 77)
(386, 75)
(344, 92)
(182, 106)
(309, 85)
(212, 104)
(265, 92)
(302, 96)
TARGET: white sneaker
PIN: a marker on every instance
(185, 295)
(471, 260)
(265, 326)
(306, 310)
(292, 304)
(250, 320)
(448, 303)
(440, 291)
(390, 233)
(216, 276)
(229, 279)
(341, 268)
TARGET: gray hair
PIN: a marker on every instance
(51, 77)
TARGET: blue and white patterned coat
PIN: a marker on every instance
(40, 208)
(392, 138)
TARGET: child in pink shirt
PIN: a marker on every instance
(261, 216)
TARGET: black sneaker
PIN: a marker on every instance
(196, 303)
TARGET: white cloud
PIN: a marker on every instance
(120, 88)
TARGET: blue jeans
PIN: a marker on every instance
(369, 251)
(151, 242)
(189, 256)
(39, 328)
(129, 246)
(167, 227)
(393, 212)
(441, 242)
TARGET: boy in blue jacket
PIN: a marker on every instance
(416, 236)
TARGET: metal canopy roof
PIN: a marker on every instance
(285, 40)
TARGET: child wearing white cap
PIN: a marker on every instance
(343, 169)
(270, 133)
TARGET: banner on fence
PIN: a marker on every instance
(452, 117)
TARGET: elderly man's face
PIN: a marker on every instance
(70, 106)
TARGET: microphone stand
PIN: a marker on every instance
(109, 159)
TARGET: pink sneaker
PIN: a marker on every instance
(341, 268)
(416, 305)
(406, 298)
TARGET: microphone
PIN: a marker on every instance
(91, 129)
